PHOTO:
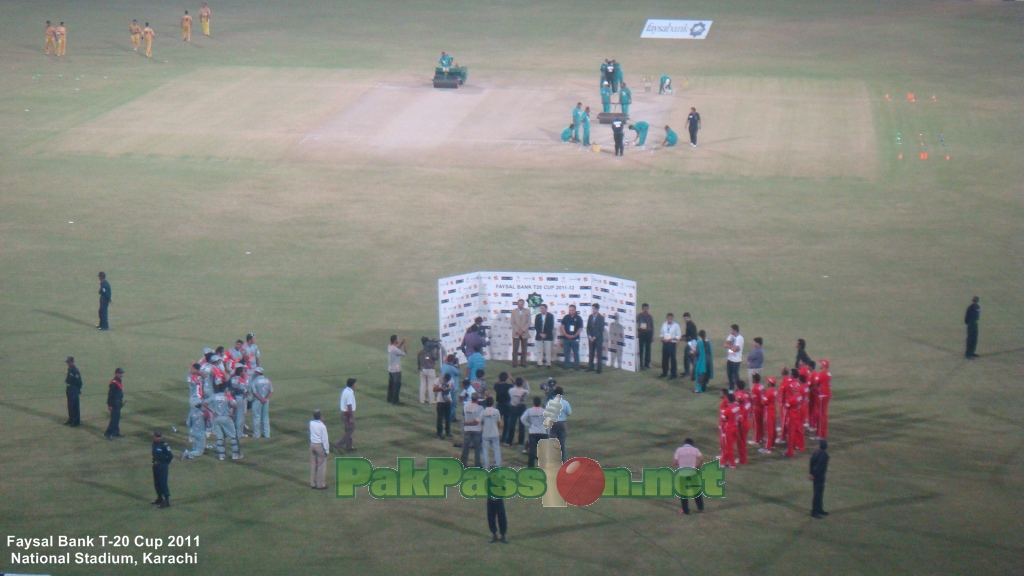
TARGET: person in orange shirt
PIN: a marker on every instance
(186, 27)
(204, 18)
(824, 396)
(148, 35)
(62, 40)
(136, 31)
(51, 38)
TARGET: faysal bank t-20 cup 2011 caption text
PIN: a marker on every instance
(62, 550)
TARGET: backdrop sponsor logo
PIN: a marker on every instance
(688, 29)
(499, 291)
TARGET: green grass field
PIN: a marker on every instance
(282, 177)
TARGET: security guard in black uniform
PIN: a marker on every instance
(115, 401)
(618, 129)
(162, 457)
(74, 391)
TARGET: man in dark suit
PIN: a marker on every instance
(595, 334)
(74, 391)
(104, 301)
(971, 318)
(819, 467)
(544, 330)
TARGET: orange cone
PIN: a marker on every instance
(900, 156)
(923, 156)
(887, 98)
(910, 96)
(947, 156)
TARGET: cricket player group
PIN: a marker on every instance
(802, 396)
(223, 386)
(56, 36)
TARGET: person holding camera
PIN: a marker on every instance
(395, 352)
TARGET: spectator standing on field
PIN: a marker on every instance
(689, 335)
(348, 415)
(396, 349)
(734, 344)
(670, 335)
(73, 391)
(319, 446)
(425, 364)
(517, 402)
(688, 456)
(755, 360)
(644, 335)
(443, 390)
(971, 318)
(534, 419)
(451, 368)
(490, 434)
(503, 401)
(472, 429)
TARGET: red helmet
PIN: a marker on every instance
(824, 364)
(772, 380)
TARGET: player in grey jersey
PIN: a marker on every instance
(223, 425)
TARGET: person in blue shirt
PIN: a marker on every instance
(476, 361)
(105, 299)
(558, 429)
(451, 367)
(625, 98)
(586, 126)
(641, 132)
(567, 133)
(577, 118)
(606, 98)
(445, 61)
(671, 138)
(665, 87)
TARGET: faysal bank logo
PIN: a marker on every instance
(578, 481)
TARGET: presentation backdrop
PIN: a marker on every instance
(493, 295)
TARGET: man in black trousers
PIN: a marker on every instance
(73, 391)
(162, 457)
(496, 518)
(644, 335)
(115, 400)
(971, 318)
(819, 467)
(595, 334)
(104, 301)
(618, 129)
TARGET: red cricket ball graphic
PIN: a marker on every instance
(580, 481)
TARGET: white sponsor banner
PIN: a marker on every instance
(493, 296)
(690, 29)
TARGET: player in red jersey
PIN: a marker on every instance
(721, 424)
(784, 389)
(757, 400)
(805, 394)
(824, 378)
(792, 423)
(770, 397)
(743, 422)
(729, 418)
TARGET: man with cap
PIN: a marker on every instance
(223, 426)
(105, 300)
(239, 388)
(348, 416)
(625, 98)
(606, 97)
(262, 389)
(115, 400)
(196, 422)
(819, 467)
(971, 318)
(618, 133)
(73, 391)
(162, 457)
(252, 352)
